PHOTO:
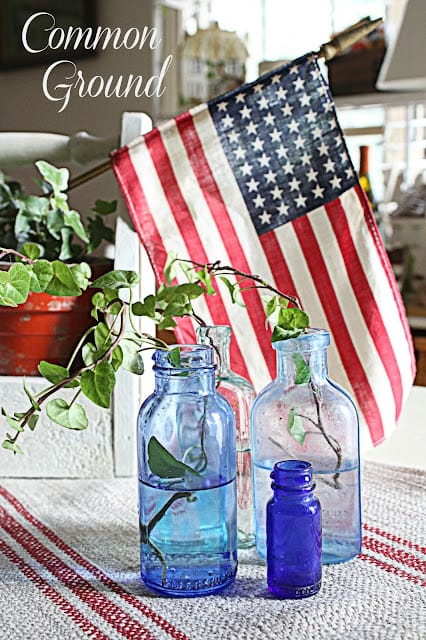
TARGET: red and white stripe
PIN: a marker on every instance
(93, 601)
(183, 196)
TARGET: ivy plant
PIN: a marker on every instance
(47, 222)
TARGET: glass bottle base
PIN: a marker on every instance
(290, 592)
(335, 553)
(185, 582)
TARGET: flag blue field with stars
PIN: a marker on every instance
(260, 179)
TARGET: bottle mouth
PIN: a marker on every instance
(292, 475)
(312, 340)
(184, 357)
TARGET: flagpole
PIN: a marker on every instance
(328, 50)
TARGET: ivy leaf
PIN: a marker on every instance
(98, 384)
(41, 274)
(72, 219)
(117, 358)
(205, 277)
(116, 280)
(31, 250)
(55, 222)
(102, 336)
(7, 444)
(67, 248)
(132, 359)
(174, 357)
(57, 178)
(284, 334)
(89, 354)
(62, 282)
(54, 373)
(15, 284)
(295, 427)
(31, 398)
(32, 421)
(170, 267)
(303, 371)
(145, 308)
(97, 232)
(81, 273)
(104, 208)
(163, 464)
(70, 416)
(271, 305)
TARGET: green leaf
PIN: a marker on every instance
(58, 178)
(15, 424)
(6, 444)
(271, 305)
(145, 308)
(54, 373)
(30, 396)
(163, 464)
(174, 357)
(104, 208)
(102, 336)
(170, 267)
(15, 284)
(132, 359)
(98, 384)
(70, 416)
(62, 282)
(117, 358)
(293, 318)
(97, 232)
(284, 334)
(205, 277)
(72, 219)
(32, 421)
(117, 279)
(41, 274)
(55, 222)
(89, 354)
(81, 273)
(31, 250)
(67, 247)
(295, 427)
(303, 371)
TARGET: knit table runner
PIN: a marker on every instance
(69, 569)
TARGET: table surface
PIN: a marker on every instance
(69, 570)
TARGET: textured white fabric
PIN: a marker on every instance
(69, 569)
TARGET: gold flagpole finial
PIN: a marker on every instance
(348, 37)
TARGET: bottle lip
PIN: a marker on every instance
(292, 475)
(220, 327)
(312, 340)
(192, 356)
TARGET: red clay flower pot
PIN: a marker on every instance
(44, 328)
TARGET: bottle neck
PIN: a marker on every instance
(218, 337)
(199, 381)
(292, 479)
(292, 367)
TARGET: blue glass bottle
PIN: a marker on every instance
(293, 532)
(303, 415)
(187, 486)
(240, 395)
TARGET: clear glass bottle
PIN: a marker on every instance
(293, 532)
(303, 415)
(240, 395)
(187, 477)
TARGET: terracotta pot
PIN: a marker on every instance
(44, 328)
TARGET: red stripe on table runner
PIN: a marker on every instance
(394, 538)
(98, 602)
(397, 555)
(161, 622)
(391, 569)
(69, 609)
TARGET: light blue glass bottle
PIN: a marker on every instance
(303, 415)
(187, 486)
(240, 395)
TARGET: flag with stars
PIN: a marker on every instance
(260, 179)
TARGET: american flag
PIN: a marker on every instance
(260, 179)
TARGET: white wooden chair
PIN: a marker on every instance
(17, 149)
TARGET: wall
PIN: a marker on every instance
(25, 108)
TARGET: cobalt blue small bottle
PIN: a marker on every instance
(293, 532)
